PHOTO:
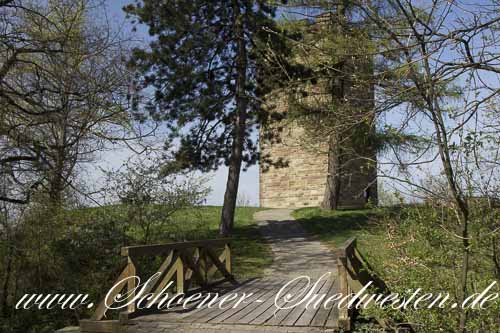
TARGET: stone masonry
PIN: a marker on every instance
(302, 182)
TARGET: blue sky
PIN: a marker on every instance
(249, 180)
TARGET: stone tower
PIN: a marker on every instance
(302, 182)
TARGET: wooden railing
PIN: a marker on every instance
(354, 273)
(187, 265)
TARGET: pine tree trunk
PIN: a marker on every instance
(331, 198)
(228, 208)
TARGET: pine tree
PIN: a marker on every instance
(202, 67)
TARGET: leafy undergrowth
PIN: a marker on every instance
(414, 247)
(79, 252)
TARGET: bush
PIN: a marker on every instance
(47, 249)
(423, 251)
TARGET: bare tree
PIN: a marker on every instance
(445, 57)
(63, 102)
(435, 79)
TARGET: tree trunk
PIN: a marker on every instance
(57, 179)
(460, 202)
(233, 177)
(465, 271)
(5, 293)
(331, 198)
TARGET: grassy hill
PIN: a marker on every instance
(250, 254)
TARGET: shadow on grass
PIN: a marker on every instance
(251, 255)
(335, 227)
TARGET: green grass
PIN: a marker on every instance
(406, 248)
(333, 228)
(250, 254)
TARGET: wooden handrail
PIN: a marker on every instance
(347, 248)
(190, 264)
(145, 250)
(354, 273)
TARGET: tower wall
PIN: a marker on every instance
(302, 182)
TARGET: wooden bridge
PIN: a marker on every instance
(204, 268)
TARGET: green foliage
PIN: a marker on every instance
(414, 247)
(150, 197)
(422, 252)
(62, 98)
(191, 67)
(78, 251)
(390, 138)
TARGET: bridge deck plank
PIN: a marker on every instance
(258, 312)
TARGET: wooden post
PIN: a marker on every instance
(227, 248)
(131, 283)
(203, 263)
(344, 320)
(179, 263)
(204, 266)
(180, 276)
